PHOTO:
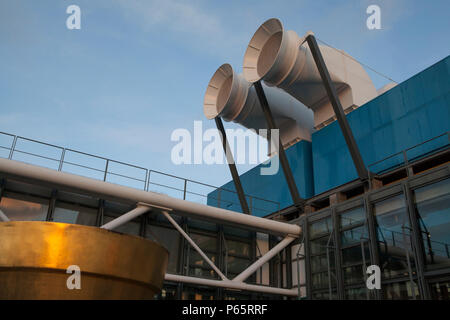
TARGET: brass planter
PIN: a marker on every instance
(34, 257)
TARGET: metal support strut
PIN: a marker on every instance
(298, 201)
(337, 107)
(232, 166)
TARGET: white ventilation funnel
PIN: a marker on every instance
(233, 98)
(275, 56)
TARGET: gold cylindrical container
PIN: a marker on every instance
(36, 259)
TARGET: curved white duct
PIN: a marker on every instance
(275, 56)
(231, 97)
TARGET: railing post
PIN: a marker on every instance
(148, 179)
(61, 161)
(13, 146)
(106, 169)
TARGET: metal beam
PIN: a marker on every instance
(136, 212)
(337, 107)
(110, 191)
(298, 201)
(231, 285)
(262, 260)
(232, 166)
(3, 217)
(194, 245)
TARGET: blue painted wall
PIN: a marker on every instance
(410, 113)
(271, 187)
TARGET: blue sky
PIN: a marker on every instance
(138, 69)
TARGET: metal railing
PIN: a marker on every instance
(406, 161)
(101, 168)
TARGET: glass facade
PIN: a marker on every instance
(404, 229)
(433, 213)
(21, 210)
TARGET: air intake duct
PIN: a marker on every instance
(280, 59)
(233, 98)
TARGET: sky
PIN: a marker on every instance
(138, 69)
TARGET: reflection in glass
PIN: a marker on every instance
(168, 238)
(440, 290)
(353, 217)
(320, 227)
(75, 217)
(400, 291)
(20, 210)
(322, 254)
(433, 207)
(394, 237)
(356, 294)
(238, 248)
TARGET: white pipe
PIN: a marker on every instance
(108, 190)
(136, 212)
(231, 285)
(231, 97)
(193, 244)
(266, 257)
(3, 217)
(280, 59)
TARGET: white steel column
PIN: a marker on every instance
(3, 217)
(266, 257)
(107, 190)
(125, 217)
(231, 285)
(196, 247)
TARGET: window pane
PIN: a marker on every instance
(239, 248)
(319, 246)
(168, 238)
(393, 236)
(440, 290)
(354, 235)
(353, 255)
(19, 210)
(433, 206)
(207, 243)
(353, 274)
(353, 217)
(356, 294)
(320, 227)
(400, 291)
(237, 265)
(75, 217)
(195, 259)
(319, 263)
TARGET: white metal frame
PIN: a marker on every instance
(146, 201)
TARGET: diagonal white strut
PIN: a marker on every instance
(136, 212)
(146, 201)
(196, 247)
(266, 257)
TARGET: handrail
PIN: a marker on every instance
(107, 171)
(405, 151)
